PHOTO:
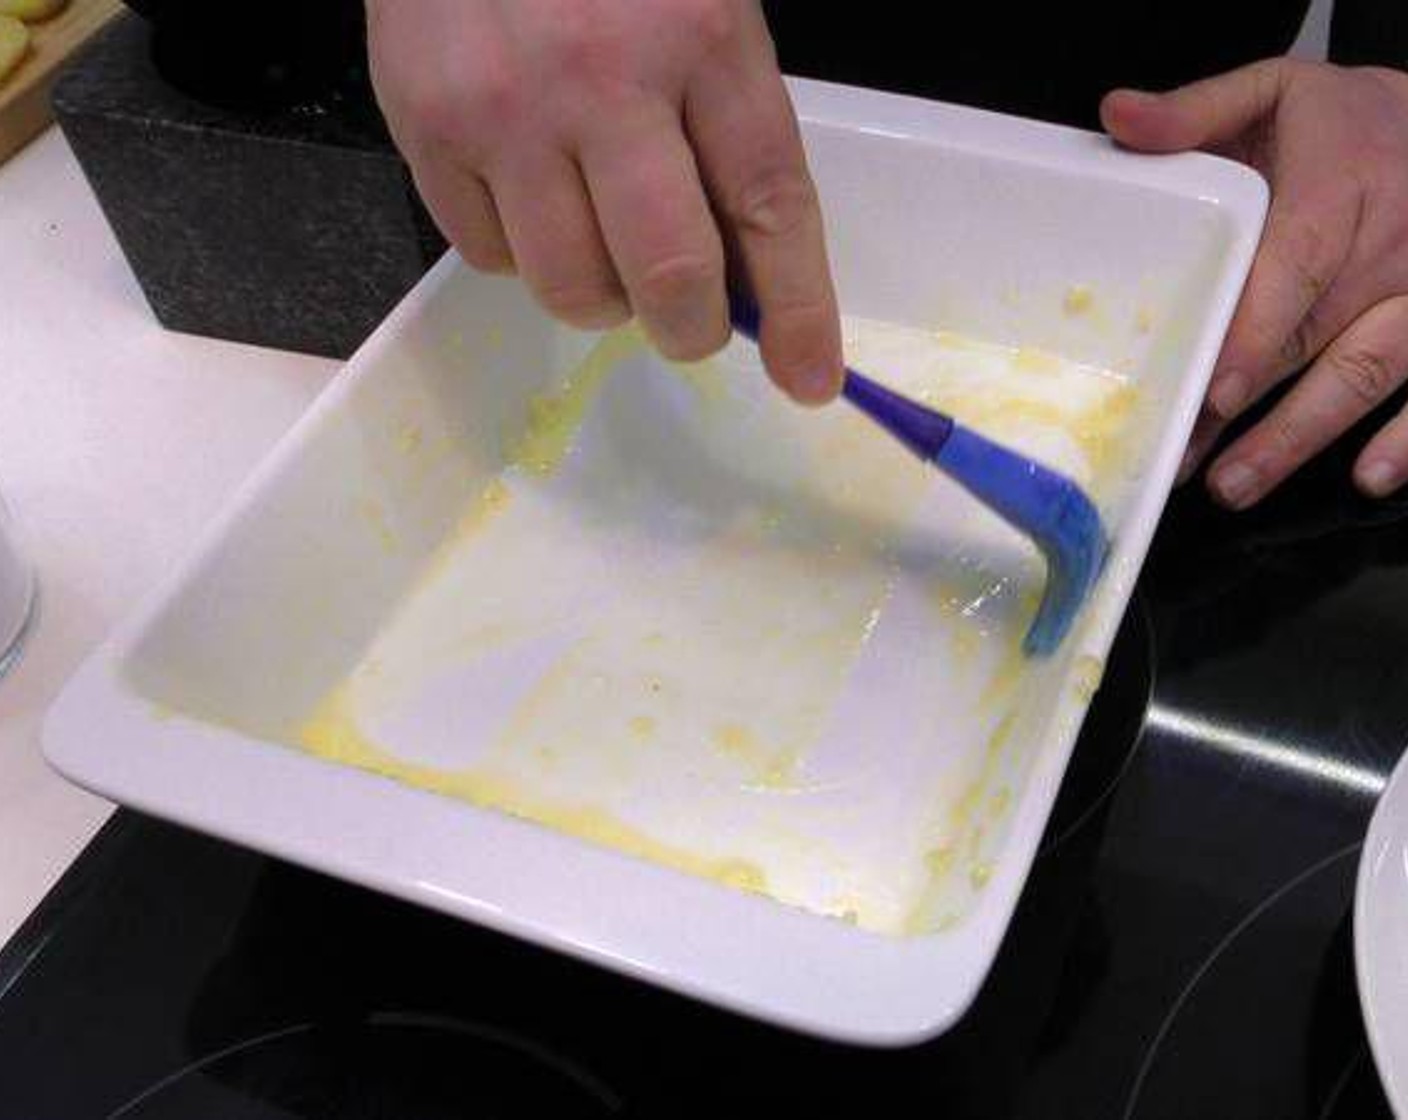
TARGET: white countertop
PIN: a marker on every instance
(118, 440)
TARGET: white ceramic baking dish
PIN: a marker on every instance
(939, 217)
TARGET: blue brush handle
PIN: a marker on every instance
(925, 431)
(1020, 490)
(1041, 502)
(1044, 504)
(1036, 499)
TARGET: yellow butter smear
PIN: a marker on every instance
(1100, 427)
(677, 628)
(555, 416)
(763, 766)
(968, 831)
(332, 733)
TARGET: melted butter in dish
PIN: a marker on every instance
(751, 642)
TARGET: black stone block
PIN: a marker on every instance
(286, 221)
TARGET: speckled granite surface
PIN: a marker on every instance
(286, 221)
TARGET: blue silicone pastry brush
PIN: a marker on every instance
(1042, 503)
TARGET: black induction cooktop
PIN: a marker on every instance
(1182, 949)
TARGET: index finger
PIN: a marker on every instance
(750, 153)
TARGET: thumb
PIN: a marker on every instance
(1205, 114)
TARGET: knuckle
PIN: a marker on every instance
(1288, 436)
(1303, 252)
(803, 317)
(580, 55)
(493, 94)
(1270, 76)
(675, 279)
(434, 114)
(774, 203)
(1395, 222)
(1366, 374)
(1297, 348)
(1252, 341)
(712, 23)
(452, 114)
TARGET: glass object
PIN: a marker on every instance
(16, 591)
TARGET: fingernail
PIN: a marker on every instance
(1378, 478)
(1236, 485)
(816, 386)
(1228, 394)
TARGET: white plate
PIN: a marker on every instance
(939, 217)
(1381, 936)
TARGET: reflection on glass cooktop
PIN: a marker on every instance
(1182, 948)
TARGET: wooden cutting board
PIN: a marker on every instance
(24, 95)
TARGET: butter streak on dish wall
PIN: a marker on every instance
(662, 622)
